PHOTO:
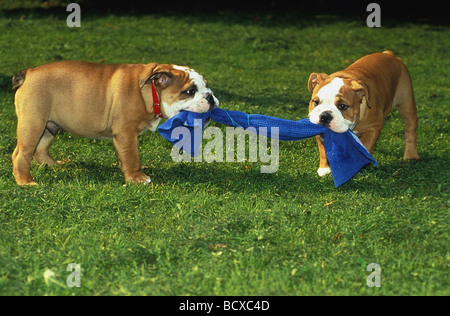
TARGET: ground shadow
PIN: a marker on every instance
(238, 178)
(410, 177)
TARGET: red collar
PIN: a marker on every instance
(156, 107)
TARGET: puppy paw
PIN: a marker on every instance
(411, 155)
(138, 178)
(62, 162)
(26, 183)
(323, 171)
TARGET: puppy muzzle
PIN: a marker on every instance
(211, 101)
(325, 118)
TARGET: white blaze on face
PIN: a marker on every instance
(327, 96)
(198, 103)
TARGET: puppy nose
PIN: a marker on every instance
(211, 102)
(325, 118)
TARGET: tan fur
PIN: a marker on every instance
(373, 85)
(90, 100)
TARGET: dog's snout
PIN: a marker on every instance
(325, 118)
(211, 101)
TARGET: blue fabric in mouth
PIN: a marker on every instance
(345, 152)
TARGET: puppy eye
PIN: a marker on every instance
(315, 102)
(342, 107)
(191, 91)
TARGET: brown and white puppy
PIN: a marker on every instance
(360, 97)
(118, 101)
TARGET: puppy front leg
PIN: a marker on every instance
(324, 166)
(127, 149)
(369, 138)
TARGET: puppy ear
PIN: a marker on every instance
(315, 79)
(162, 79)
(361, 90)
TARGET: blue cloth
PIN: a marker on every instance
(345, 152)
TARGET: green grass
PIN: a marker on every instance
(225, 228)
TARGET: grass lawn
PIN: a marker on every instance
(225, 228)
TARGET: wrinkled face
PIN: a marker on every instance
(335, 102)
(182, 89)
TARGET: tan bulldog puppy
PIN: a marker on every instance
(115, 101)
(360, 97)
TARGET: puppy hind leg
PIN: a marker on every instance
(28, 136)
(408, 111)
(41, 155)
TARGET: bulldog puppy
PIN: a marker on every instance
(118, 101)
(360, 97)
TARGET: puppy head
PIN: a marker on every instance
(335, 102)
(180, 89)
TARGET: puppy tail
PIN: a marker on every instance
(18, 79)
